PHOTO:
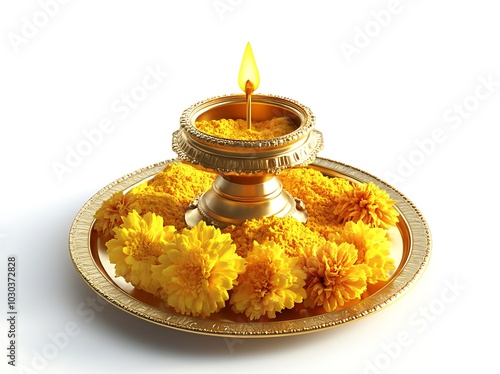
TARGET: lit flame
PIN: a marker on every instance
(248, 72)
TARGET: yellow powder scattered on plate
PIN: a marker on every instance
(237, 129)
(289, 233)
(171, 190)
(319, 193)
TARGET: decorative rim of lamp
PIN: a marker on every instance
(297, 148)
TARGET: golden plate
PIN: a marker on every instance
(411, 252)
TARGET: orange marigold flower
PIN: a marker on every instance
(368, 203)
(137, 245)
(373, 246)
(333, 278)
(271, 282)
(197, 270)
(110, 214)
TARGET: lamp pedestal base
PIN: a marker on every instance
(234, 199)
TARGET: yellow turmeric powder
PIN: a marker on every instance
(237, 129)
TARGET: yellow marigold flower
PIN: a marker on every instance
(197, 269)
(373, 246)
(271, 282)
(137, 245)
(287, 232)
(368, 203)
(109, 215)
(333, 278)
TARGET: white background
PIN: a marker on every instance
(418, 72)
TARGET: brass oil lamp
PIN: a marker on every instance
(246, 186)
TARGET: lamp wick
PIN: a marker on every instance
(249, 88)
